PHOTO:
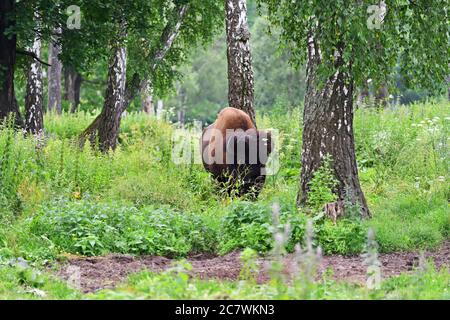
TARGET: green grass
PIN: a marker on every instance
(56, 198)
(410, 222)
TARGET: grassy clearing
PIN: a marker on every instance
(56, 198)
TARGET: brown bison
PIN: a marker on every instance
(235, 152)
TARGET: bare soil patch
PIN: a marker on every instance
(108, 271)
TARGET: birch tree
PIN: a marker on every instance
(169, 35)
(348, 42)
(34, 120)
(109, 124)
(240, 72)
(54, 76)
(152, 58)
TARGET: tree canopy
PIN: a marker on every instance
(83, 48)
(373, 37)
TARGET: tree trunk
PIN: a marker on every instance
(328, 130)
(72, 87)
(240, 72)
(160, 113)
(381, 96)
(8, 103)
(34, 121)
(54, 78)
(106, 126)
(147, 99)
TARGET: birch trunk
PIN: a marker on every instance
(105, 128)
(147, 100)
(240, 72)
(34, 120)
(54, 78)
(328, 130)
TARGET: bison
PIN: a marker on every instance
(236, 153)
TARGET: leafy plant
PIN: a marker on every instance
(90, 228)
(322, 185)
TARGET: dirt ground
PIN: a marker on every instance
(108, 271)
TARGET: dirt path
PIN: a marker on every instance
(108, 271)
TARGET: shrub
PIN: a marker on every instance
(91, 228)
(321, 186)
(247, 225)
(346, 237)
(250, 225)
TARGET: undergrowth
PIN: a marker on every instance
(56, 197)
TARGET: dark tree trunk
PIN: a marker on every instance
(72, 87)
(8, 103)
(328, 130)
(54, 78)
(381, 96)
(106, 126)
(240, 72)
(34, 122)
